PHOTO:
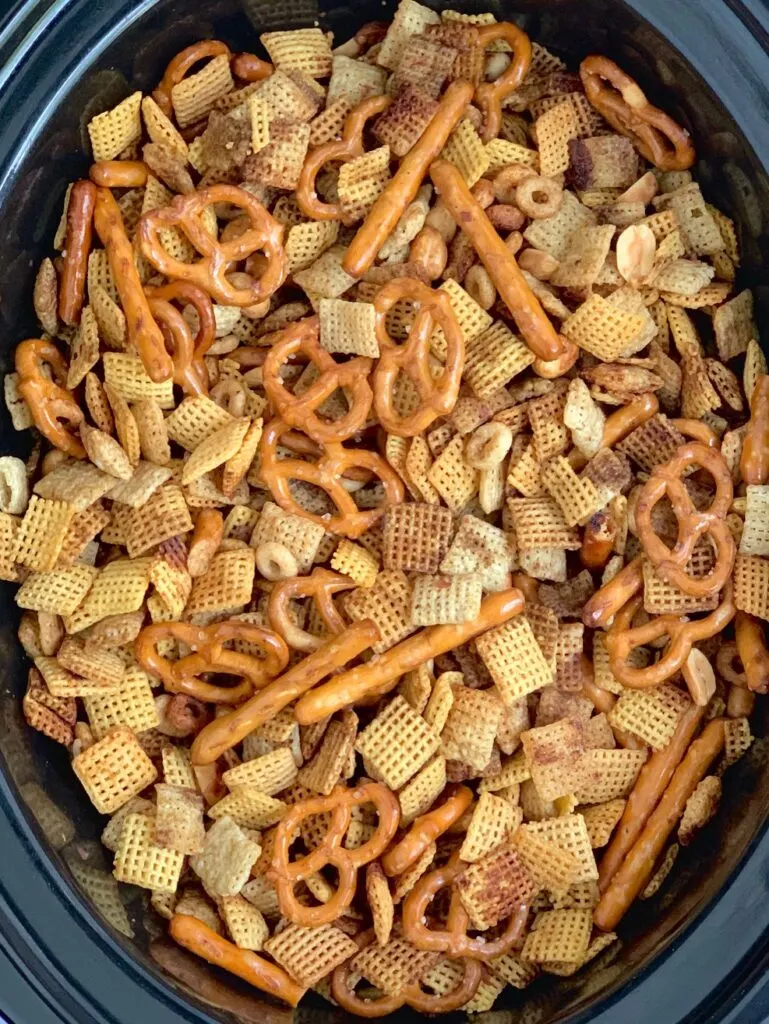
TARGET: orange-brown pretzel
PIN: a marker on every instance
(183, 676)
(301, 410)
(619, 99)
(536, 330)
(697, 431)
(453, 939)
(381, 674)
(426, 829)
(403, 187)
(489, 96)
(51, 405)
(264, 235)
(77, 243)
(143, 333)
(204, 942)
(754, 461)
(751, 647)
(438, 395)
(119, 173)
(250, 68)
(668, 481)
(622, 639)
(606, 602)
(188, 354)
(598, 540)
(180, 65)
(620, 424)
(347, 148)
(285, 875)
(550, 369)
(333, 654)
(413, 995)
(320, 585)
(349, 521)
(205, 541)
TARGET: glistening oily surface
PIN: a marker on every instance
(530, 456)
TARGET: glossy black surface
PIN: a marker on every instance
(700, 950)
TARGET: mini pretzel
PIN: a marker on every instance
(188, 355)
(320, 585)
(51, 405)
(205, 541)
(622, 639)
(143, 333)
(489, 96)
(250, 68)
(119, 173)
(285, 875)
(343, 990)
(614, 595)
(751, 647)
(350, 521)
(403, 187)
(453, 939)
(381, 674)
(182, 676)
(347, 148)
(437, 395)
(692, 524)
(536, 330)
(621, 423)
(697, 431)
(301, 338)
(598, 541)
(550, 369)
(180, 65)
(426, 829)
(754, 461)
(265, 235)
(223, 733)
(639, 863)
(77, 244)
(204, 942)
(619, 99)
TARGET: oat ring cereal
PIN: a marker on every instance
(189, 371)
(181, 64)
(320, 586)
(210, 655)
(51, 404)
(301, 339)
(438, 394)
(287, 874)
(538, 197)
(263, 235)
(619, 99)
(668, 481)
(490, 96)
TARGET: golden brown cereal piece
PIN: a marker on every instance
(324, 770)
(227, 585)
(700, 808)
(471, 727)
(309, 954)
(352, 560)
(539, 523)
(131, 704)
(562, 935)
(99, 666)
(380, 902)
(58, 592)
(225, 861)
(492, 888)
(423, 790)
(41, 533)
(452, 477)
(608, 774)
(388, 603)
(493, 358)
(569, 832)
(84, 349)
(271, 773)
(445, 599)
(602, 329)
(139, 860)
(245, 922)
(179, 819)
(115, 129)
(54, 716)
(394, 966)
(514, 659)
(416, 537)
(114, 770)
(196, 94)
(493, 820)
(249, 808)
(601, 820)
(553, 131)
(396, 744)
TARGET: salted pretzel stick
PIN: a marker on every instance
(528, 586)
(198, 938)
(77, 243)
(537, 331)
(206, 538)
(598, 540)
(223, 733)
(606, 602)
(620, 424)
(751, 647)
(143, 332)
(639, 863)
(403, 187)
(426, 829)
(754, 461)
(119, 173)
(644, 797)
(381, 674)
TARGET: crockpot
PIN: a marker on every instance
(76, 947)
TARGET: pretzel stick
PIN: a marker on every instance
(598, 540)
(426, 830)
(250, 68)
(381, 674)
(119, 173)
(77, 243)
(751, 646)
(403, 187)
(606, 602)
(638, 865)
(143, 332)
(754, 461)
(537, 331)
(198, 938)
(223, 733)
(644, 797)
(620, 424)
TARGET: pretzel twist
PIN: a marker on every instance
(667, 481)
(190, 371)
(754, 461)
(51, 404)
(341, 150)
(143, 333)
(349, 520)
(619, 99)
(697, 431)
(622, 639)
(285, 875)
(489, 96)
(320, 585)
(77, 244)
(180, 65)
(301, 338)
(264, 235)
(438, 395)
(426, 829)
(210, 655)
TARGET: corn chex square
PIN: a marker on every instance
(227, 585)
(416, 537)
(139, 859)
(348, 327)
(394, 966)
(493, 358)
(119, 588)
(514, 658)
(651, 714)
(225, 861)
(562, 935)
(569, 832)
(479, 548)
(492, 888)
(540, 523)
(602, 329)
(115, 130)
(131, 703)
(248, 807)
(309, 954)
(608, 774)
(388, 603)
(471, 727)
(452, 477)
(396, 744)
(114, 770)
(436, 600)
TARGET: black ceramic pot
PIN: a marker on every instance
(73, 946)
